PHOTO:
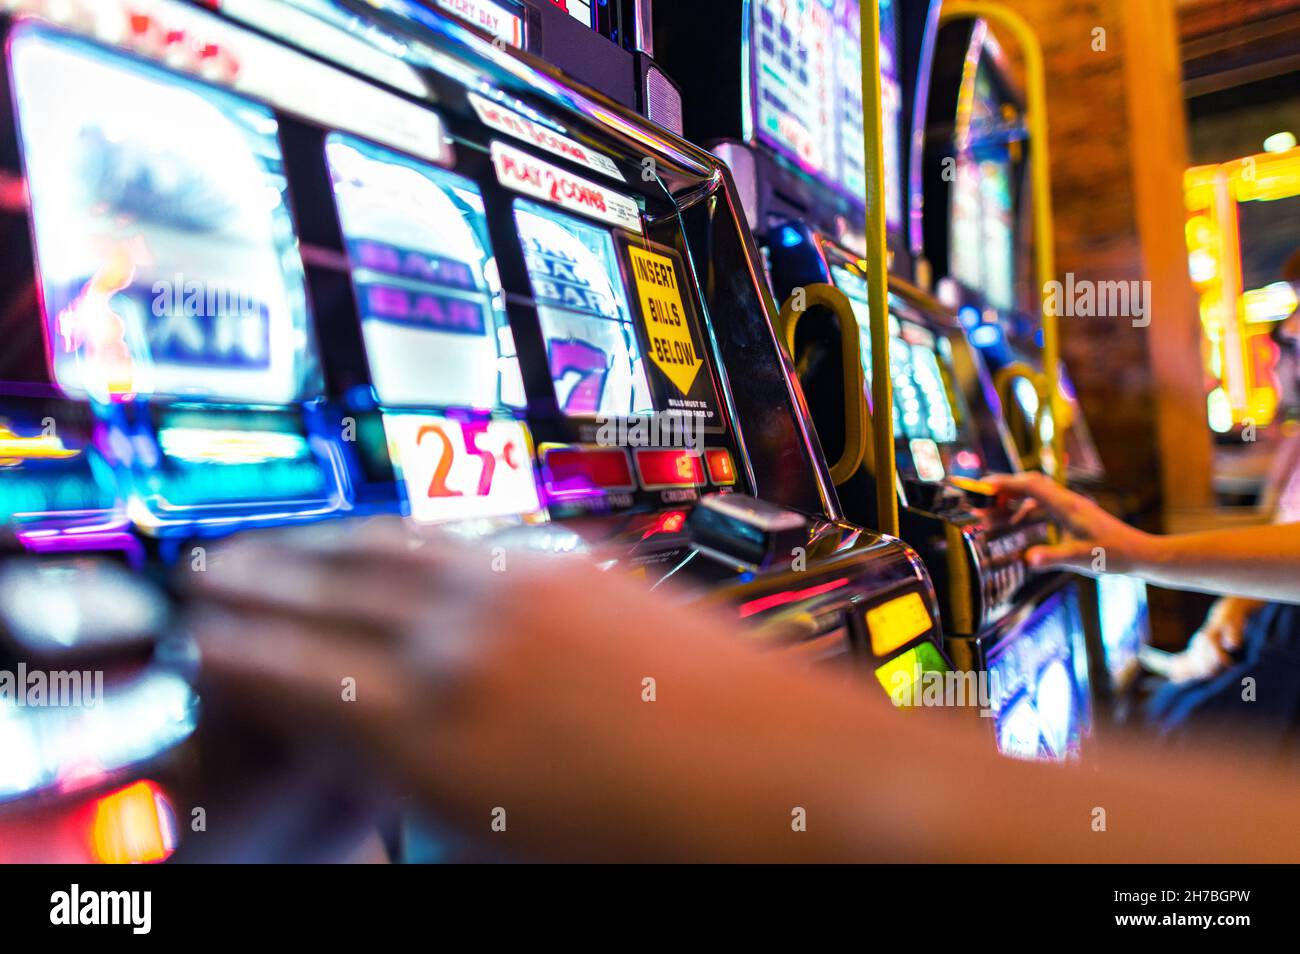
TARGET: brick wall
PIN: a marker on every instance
(1118, 152)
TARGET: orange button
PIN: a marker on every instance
(721, 471)
(669, 468)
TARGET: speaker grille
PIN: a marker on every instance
(663, 100)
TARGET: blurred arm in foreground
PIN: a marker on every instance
(524, 690)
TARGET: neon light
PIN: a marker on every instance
(15, 448)
(196, 445)
(1235, 320)
(65, 748)
(765, 603)
(670, 522)
(986, 336)
(1270, 303)
(1280, 142)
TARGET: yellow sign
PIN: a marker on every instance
(663, 312)
(893, 623)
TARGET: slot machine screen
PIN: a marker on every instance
(806, 76)
(432, 320)
(47, 471)
(213, 456)
(982, 223)
(1038, 682)
(438, 343)
(1124, 620)
(591, 342)
(167, 255)
(932, 425)
(983, 237)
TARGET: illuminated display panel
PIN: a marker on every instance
(47, 474)
(932, 426)
(1038, 683)
(1124, 620)
(436, 334)
(426, 283)
(213, 457)
(982, 217)
(807, 92)
(168, 260)
(591, 342)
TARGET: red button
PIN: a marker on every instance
(669, 468)
(721, 470)
(575, 468)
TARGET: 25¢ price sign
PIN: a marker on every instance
(454, 470)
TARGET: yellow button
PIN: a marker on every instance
(893, 623)
(973, 486)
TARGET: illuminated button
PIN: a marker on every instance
(981, 487)
(897, 621)
(721, 470)
(574, 468)
(669, 468)
(901, 675)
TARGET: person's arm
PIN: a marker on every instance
(597, 720)
(1257, 562)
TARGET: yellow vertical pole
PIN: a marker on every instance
(877, 266)
(1041, 187)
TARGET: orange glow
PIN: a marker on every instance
(132, 826)
(91, 325)
(1236, 320)
(670, 522)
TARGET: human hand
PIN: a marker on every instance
(1098, 542)
(1210, 649)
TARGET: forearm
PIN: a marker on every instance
(1261, 563)
(772, 764)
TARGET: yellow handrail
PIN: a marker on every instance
(831, 298)
(1031, 455)
(877, 274)
(1041, 180)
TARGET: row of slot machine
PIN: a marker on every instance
(785, 113)
(272, 263)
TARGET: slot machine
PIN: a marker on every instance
(606, 45)
(979, 237)
(434, 279)
(787, 119)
